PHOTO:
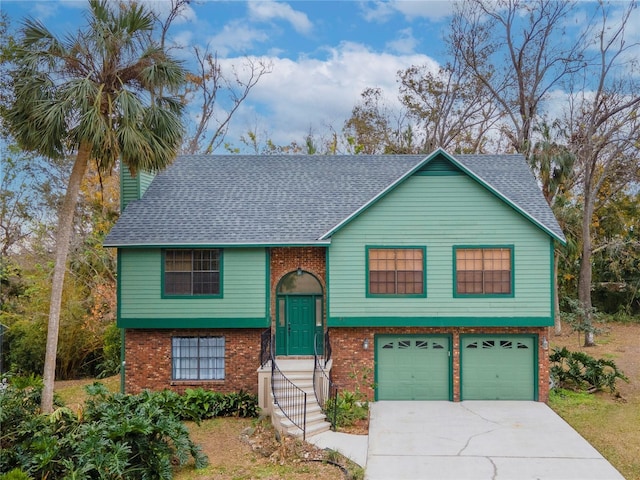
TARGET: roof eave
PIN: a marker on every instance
(217, 244)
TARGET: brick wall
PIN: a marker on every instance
(288, 259)
(350, 359)
(148, 360)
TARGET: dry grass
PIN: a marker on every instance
(610, 423)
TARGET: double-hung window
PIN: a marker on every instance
(192, 272)
(197, 358)
(483, 271)
(396, 271)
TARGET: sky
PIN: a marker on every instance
(323, 53)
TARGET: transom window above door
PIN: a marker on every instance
(396, 271)
(483, 271)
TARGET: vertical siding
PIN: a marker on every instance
(243, 288)
(144, 180)
(128, 187)
(440, 212)
(133, 188)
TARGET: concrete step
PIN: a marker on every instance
(312, 429)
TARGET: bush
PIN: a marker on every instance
(350, 408)
(110, 362)
(118, 437)
(581, 371)
(199, 404)
(15, 474)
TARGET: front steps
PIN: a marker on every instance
(300, 372)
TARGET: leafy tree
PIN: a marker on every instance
(216, 91)
(552, 162)
(452, 108)
(604, 121)
(95, 97)
(519, 51)
(373, 128)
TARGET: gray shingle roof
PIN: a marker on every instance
(292, 199)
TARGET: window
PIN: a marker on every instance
(192, 272)
(396, 271)
(483, 271)
(197, 358)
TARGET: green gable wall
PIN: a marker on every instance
(243, 302)
(132, 188)
(440, 211)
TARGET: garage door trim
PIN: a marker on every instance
(448, 336)
(535, 366)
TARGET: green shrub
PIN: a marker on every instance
(581, 371)
(118, 437)
(199, 404)
(15, 474)
(350, 407)
(110, 363)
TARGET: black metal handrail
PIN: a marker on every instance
(291, 399)
(265, 347)
(327, 348)
(323, 388)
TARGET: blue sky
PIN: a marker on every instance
(324, 53)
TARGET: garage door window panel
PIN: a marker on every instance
(396, 271)
(483, 271)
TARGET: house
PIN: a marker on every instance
(433, 273)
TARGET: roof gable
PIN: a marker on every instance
(441, 163)
(240, 200)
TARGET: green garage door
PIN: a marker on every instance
(497, 367)
(413, 367)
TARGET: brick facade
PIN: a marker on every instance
(289, 259)
(148, 360)
(351, 360)
(148, 352)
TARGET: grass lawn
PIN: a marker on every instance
(610, 423)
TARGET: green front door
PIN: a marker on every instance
(298, 314)
(498, 367)
(298, 324)
(301, 324)
(413, 367)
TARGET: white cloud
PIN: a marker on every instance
(431, 9)
(236, 36)
(270, 10)
(405, 43)
(435, 10)
(317, 93)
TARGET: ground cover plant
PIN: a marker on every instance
(237, 444)
(114, 436)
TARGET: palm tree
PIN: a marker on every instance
(553, 165)
(93, 97)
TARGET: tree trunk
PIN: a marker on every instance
(584, 282)
(63, 240)
(557, 324)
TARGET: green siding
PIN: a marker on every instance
(133, 188)
(439, 166)
(244, 292)
(439, 212)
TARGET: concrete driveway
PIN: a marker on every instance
(495, 440)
